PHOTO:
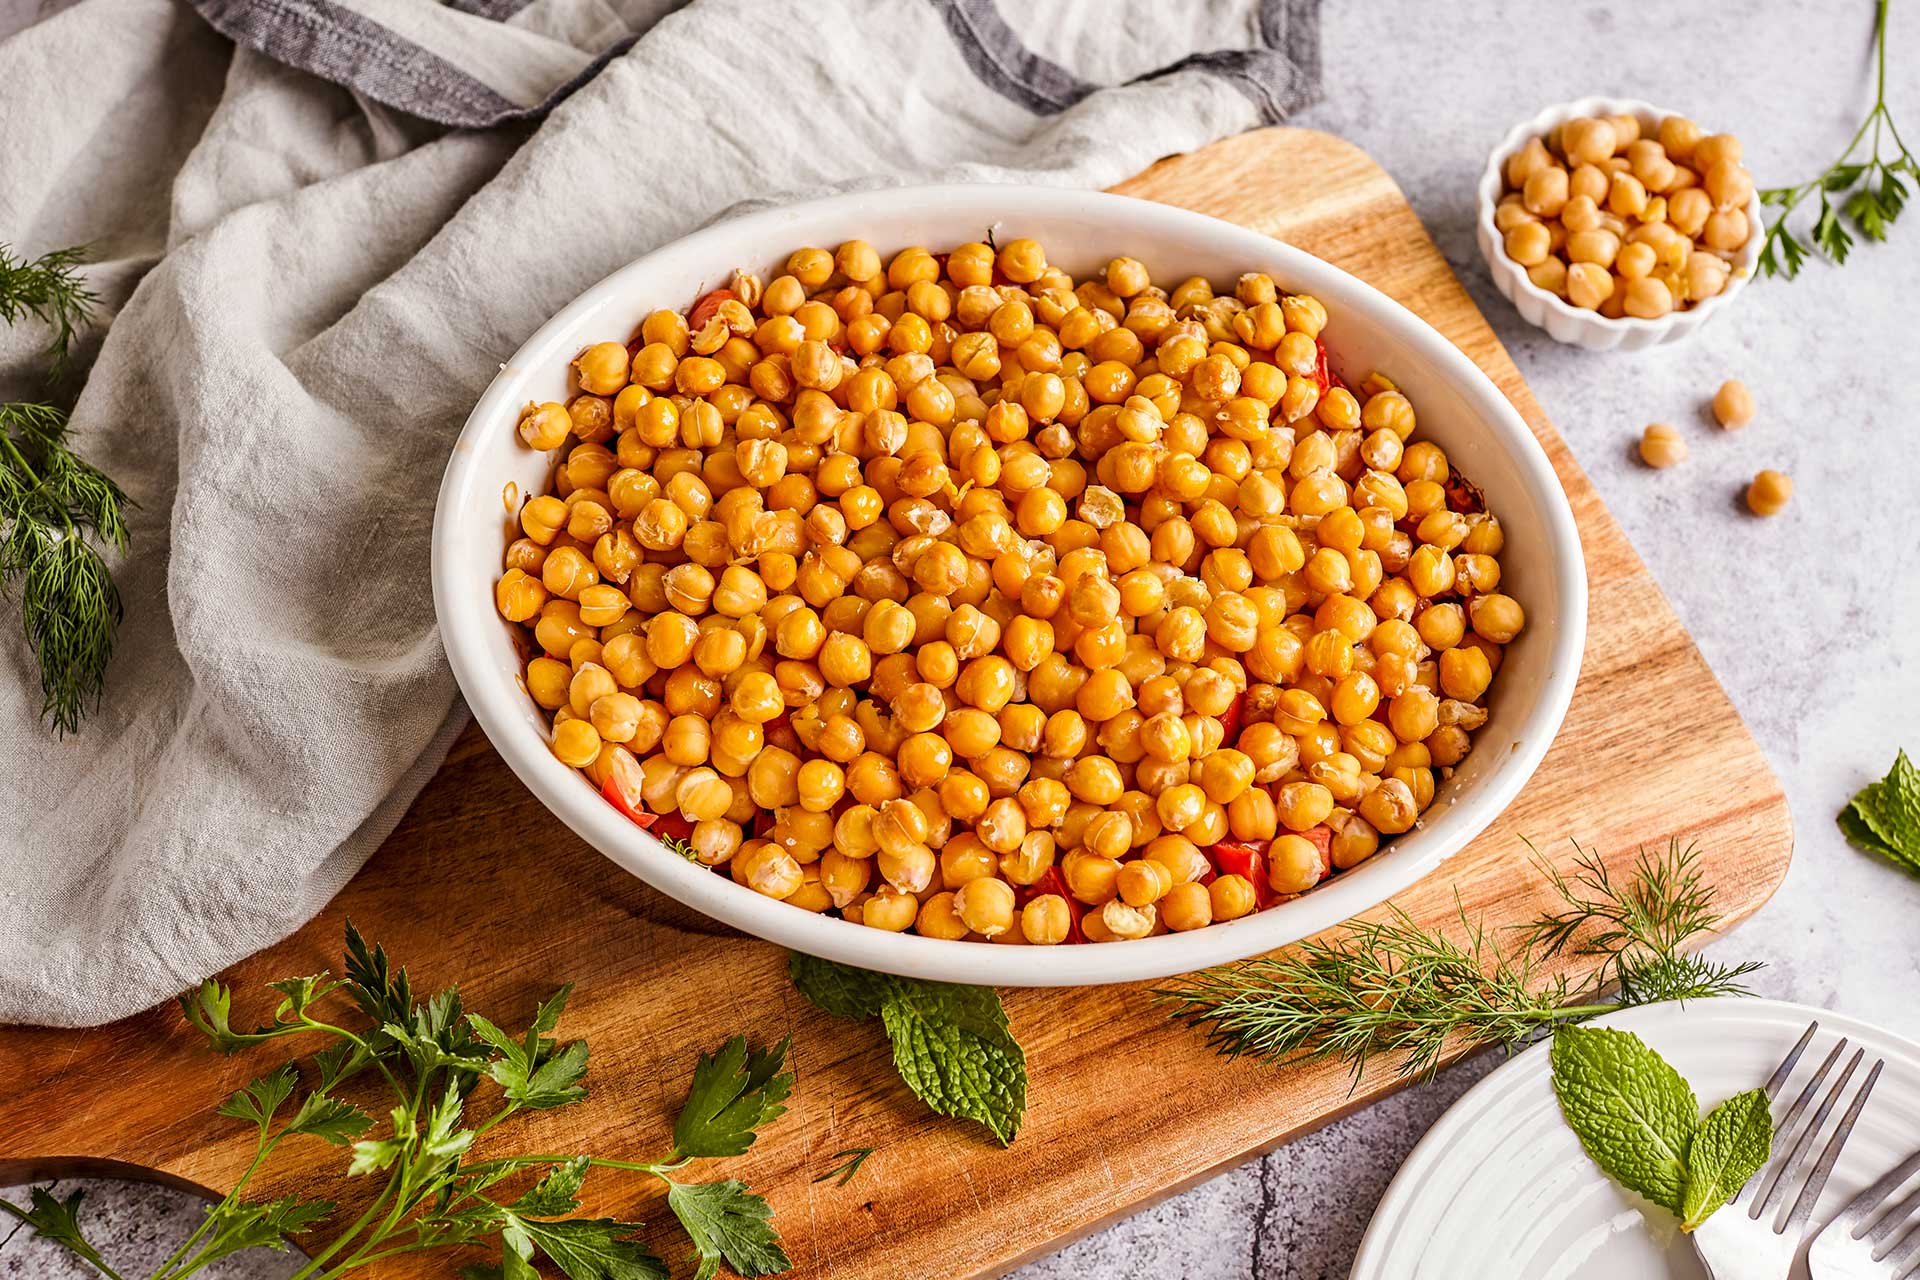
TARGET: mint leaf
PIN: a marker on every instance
(1732, 1144)
(557, 1193)
(1884, 818)
(841, 989)
(951, 1043)
(728, 1224)
(58, 1221)
(1633, 1113)
(952, 1047)
(329, 1119)
(734, 1092)
(260, 1098)
(583, 1249)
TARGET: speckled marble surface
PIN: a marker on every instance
(1808, 620)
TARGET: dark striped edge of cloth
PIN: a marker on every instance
(336, 43)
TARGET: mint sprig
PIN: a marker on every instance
(951, 1044)
(1639, 1121)
(1884, 818)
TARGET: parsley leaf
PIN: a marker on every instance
(734, 1092)
(59, 1221)
(728, 1223)
(583, 1249)
(534, 1072)
(555, 1194)
(260, 1098)
(951, 1043)
(238, 1225)
(1632, 1112)
(1884, 818)
(329, 1119)
(209, 1009)
(1733, 1142)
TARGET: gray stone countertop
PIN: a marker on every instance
(1808, 620)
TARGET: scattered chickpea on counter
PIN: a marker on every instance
(1661, 446)
(1733, 405)
(951, 594)
(1626, 225)
(1769, 493)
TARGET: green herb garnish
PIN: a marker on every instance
(1877, 192)
(447, 1077)
(48, 288)
(1394, 987)
(54, 507)
(951, 1043)
(1884, 818)
(850, 1161)
(1638, 1120)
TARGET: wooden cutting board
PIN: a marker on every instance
(480, 885)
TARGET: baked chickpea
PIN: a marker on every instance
(1769, 493)
(1733, 405)
(954, 566)
(1661, 446)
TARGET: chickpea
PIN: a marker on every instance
(1769, 493)
(1661, 446)
(1733, 405)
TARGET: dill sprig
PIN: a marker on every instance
(1878, 194)
(50, 289)
(51, 499)
(1397, 989)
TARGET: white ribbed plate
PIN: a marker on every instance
(1499, 1188)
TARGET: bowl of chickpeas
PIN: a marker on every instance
(1614, 225)
(1008, 585)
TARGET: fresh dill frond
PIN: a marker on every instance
(1397, 989)
(50, 289)
(51, 499)
(1386, 987)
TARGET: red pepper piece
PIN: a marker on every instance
(1054, 882)
(1323, 373)
(1246, 858)
(672, 824)
(706, 305)
(1322, 837)
(618, 801)
(1230, 720)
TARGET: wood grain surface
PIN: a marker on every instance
(480, 885)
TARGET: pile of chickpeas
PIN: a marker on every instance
(1626, 225)
(949, 593)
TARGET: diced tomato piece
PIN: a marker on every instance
(705, 305)
(619, 801)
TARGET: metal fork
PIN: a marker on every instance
(1751, 1237)
(1854, 1246)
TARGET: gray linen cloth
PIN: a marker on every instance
(318, 227)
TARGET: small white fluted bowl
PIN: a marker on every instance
(1459, 408)
(1563, 321)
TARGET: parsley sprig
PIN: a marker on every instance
(1394, 988)
(1877, 191)
(452, 1076)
